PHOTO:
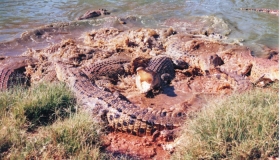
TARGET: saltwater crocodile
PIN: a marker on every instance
(269, 11)
(121, 114)
(12, 71)
(233, 60)
(211, 58)
(93, 13)
(110, 68)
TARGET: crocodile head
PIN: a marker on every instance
(94, 13)
(146, 80)
(90, 14)
(264, 71)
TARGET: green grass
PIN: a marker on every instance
(72, 138)
(41, 123)
(242, 126)
(39, 105)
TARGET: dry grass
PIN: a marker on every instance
(242, 126)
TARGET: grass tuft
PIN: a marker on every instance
(72, 138)
(46, 103)
(242, 126)
(76, 135)
(40, 123)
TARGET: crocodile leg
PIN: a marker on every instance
(120, 114)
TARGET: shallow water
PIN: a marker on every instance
(251, 28)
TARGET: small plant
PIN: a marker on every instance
(243, 126)
(23, 109)
(47, 103)
(72, 138)
(39, 105)
(75, 134)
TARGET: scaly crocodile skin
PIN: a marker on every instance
(162, 65)
(120, 114)
(12, 71)
(94, 13)
(160, 71)
(110, 67)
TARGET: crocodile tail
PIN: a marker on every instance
(12, 71)
(146, 123)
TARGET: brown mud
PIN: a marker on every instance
(129, 146)
(214, 67)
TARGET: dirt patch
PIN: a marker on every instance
(126, 145)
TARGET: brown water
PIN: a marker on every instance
(252, 29)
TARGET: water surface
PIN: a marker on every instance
(253, 29)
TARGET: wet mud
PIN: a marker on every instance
(213, 66)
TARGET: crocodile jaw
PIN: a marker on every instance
(144, 80)
(143, 86)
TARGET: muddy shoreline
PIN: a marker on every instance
(216, 66)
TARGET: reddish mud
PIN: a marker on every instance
(214, 68)
(137, 147)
